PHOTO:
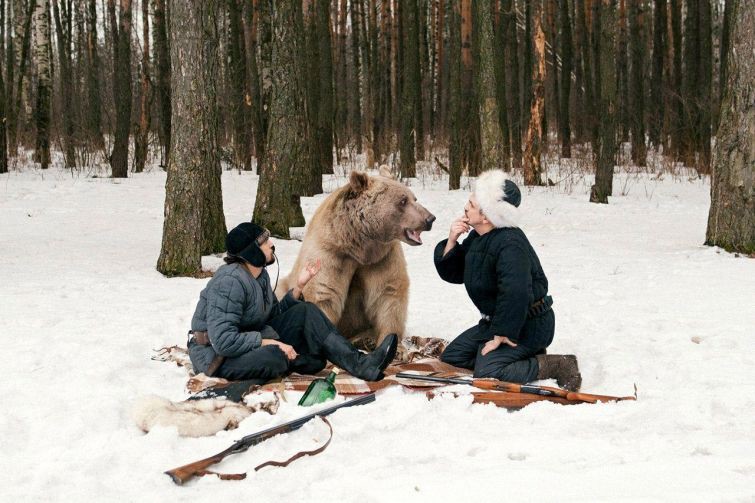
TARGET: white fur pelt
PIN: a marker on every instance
(192, 418)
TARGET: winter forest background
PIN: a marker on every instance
(292, 88)
(135, 133)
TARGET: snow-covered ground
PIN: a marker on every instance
(637, 296)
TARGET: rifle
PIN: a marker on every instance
(186, 472)
(495, 385)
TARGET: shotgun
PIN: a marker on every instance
(186, 472)
(495, 385)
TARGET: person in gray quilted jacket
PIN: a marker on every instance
(241, 331)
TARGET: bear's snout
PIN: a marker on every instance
(429, 222)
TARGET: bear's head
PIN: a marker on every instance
(385, 209)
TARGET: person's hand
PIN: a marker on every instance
(458, 227)
(287, 349)
(495, 343)
(308, 272)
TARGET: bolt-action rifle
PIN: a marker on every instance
(186, 472)
(495, 385)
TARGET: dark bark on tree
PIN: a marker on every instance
(422, 115)
(323, 138)
(141, 138)
(18, 95)
(3, 122)
(502, 25)
(731, 221)
(276, 207)
(583, 42)
(704, 86)
(605, 45)
(236, 80)
(491, 99)
(254, 92)
(657, 80)
(341, 102)
(637, 78)
(552, 103)
(44, 82)
(724, 57)
(566, 69)
(194, 222)
(513, 105)
(528, 64)
(94, 99)
(122, 90)
(676, 91)
(454, 99)
(622, 74)
(534, 139)
(163, 74)
(690, 90)
(355, 106)
(442, 82)
(470, 55)
(66, 89)
(410, 92)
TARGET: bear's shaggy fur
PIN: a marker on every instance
(363, 286)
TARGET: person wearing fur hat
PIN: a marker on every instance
(505, 281)
(241, 331)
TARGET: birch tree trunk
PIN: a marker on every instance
(534, 138)
(44, 81)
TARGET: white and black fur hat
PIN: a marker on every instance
(499, 198)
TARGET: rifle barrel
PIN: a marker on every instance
(183, 473)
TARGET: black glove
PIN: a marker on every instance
(269, 332)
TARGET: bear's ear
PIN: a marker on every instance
(385, 172)
(358, 182)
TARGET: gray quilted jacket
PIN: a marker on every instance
(234, 309)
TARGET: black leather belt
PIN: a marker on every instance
(536, 309)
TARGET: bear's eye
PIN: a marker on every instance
(403, 201)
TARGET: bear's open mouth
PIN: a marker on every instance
(413, 237)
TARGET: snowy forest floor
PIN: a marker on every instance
(637, 297)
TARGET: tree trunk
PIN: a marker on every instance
(94, 104)
(501, 24)
(276, 207)
(67, 91)
(724, 58)
(583, 41)
(141, 139)
(528, 69)
(533, 141)
(657, 83)
(325, 111)
(18, 97)
(470, 53)
(491, 89)
(122, 91)
(454, 100)
(704, 86)
(637, 78)
(355, 106)
(731, 221)
(194, 222)
(622, 71)
(676, 91)
(605, 38)
(409, 88)
(3, 134)
(254, 92)
(236, 76)
(44, 81)
(163, 74)
(513, 106)
(566, 68)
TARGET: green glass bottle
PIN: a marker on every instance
(320, 390)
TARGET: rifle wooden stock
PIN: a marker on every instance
(184, 473)
(544, 391)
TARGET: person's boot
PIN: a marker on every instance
(364, 366)
(562, 368)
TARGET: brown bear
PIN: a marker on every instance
(363, 286)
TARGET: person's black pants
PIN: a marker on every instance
(303, 326)
(513, 364)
